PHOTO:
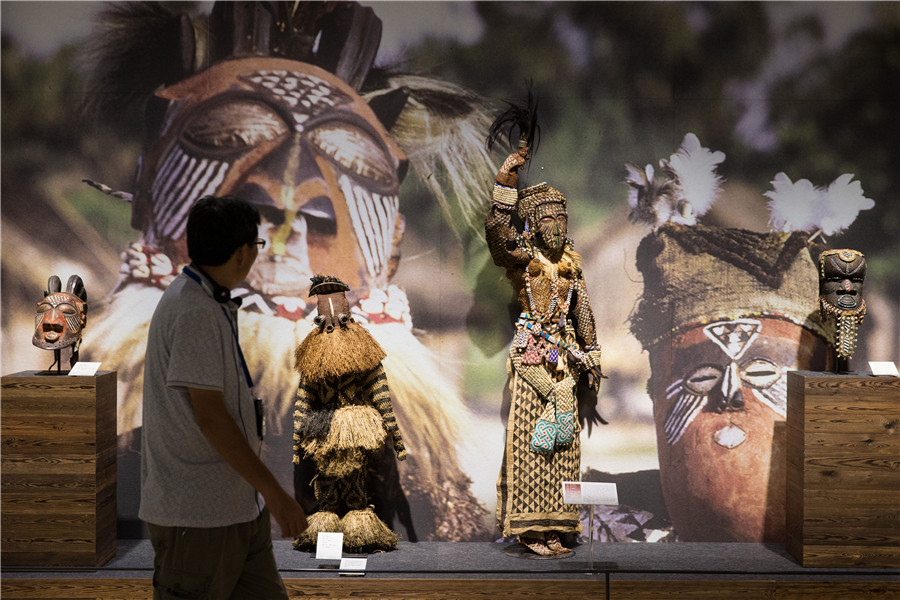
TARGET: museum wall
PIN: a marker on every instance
(781, 99)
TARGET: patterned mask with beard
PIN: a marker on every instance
(338, 345)
(264, 101)
(332, 304)
(298, 143)
(841, 276)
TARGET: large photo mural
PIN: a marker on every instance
(708, 154)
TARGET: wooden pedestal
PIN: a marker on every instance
(843, 470)
(58, 506)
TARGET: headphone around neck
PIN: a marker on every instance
(221, 293)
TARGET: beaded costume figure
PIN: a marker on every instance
(342, 419)
(555, 342)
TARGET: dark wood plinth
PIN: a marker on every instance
(843, 470)
(58, 505)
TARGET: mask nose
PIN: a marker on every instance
(732, 392)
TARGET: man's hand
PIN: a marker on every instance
(287, 513)
(224, 435)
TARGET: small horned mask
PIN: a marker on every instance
(61, 316)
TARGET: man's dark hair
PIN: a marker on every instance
(217, 226)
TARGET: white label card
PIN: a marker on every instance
(883, 368)
(88, 369)
(329, 546)
(590, 492)
(353, 564)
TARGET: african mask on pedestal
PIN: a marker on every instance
(61, 316)
(841, 276)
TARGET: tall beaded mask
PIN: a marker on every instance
(841, 276)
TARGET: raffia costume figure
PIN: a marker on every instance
(343, 418)
(555, 341)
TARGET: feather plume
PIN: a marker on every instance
(697, 185)
(792, 205)
(126, 196)
(138, 47)
(685, 187)
(517, 118)
(841, 203)
(801, 206)
(441, 130)
(650, 196)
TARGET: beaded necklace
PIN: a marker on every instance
(564, 307)
(554, 297)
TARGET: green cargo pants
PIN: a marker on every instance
(214, 563)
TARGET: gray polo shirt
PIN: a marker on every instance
(184, 480)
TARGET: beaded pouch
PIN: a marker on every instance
(543, 439)
(565, 427)
(565, 411)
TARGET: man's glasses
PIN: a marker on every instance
(259, 242)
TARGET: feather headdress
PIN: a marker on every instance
(696, 181)
(685, 187)
(441, 129)
(800, 206)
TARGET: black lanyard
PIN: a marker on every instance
(190, 273)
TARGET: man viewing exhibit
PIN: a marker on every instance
(201, 475)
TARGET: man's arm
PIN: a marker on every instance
(224, 435)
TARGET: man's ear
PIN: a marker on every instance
(240, 255)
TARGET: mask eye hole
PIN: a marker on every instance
(703, 379)
(760, 373)
(234, 126)
(67, 309)
(356, 151)
(44, 308)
